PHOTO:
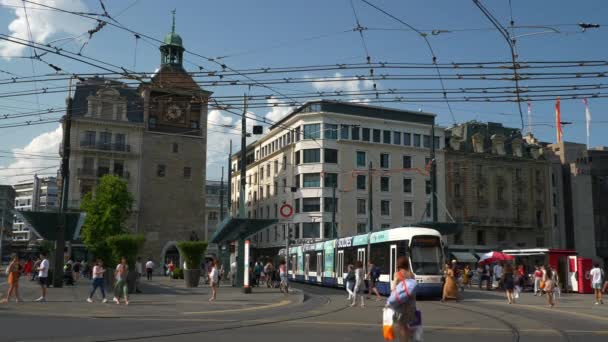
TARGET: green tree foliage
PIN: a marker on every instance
(106, 214)
(192, 251)
(125, 245)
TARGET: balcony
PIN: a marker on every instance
(105, 146)
(92, 173)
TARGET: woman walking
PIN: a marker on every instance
(406, 314)
(466, 276)
(28, 267)
(14, 272)
(350, 281)
(508, 282)
(549, 286)
(359, 283)
(214, 280)
(283, 275)
(98, 281)
(450, 288)
(121, 281)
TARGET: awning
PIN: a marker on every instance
(46, 224)
(463, 257)
(232, 229)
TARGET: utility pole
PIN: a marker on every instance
(370, 206)
(1, 236)
(433, 175)
(334, 229)
(222, 196)
(65, 184)
(240, 259)
(230, 180)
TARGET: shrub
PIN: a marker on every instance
(125, 245)
(178, 273)
(192, 251)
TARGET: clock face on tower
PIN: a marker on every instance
(174, 113)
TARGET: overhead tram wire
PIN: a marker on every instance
(428, 43)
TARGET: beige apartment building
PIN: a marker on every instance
(323, 144)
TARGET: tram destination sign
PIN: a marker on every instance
(345, 242)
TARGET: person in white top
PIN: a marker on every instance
(98, 281)
(149, 268)
(359, 283)
(139, 270)
(43, 275)
(214, 278)
(233, 268)
(597, 274)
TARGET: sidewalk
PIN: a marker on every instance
(161, 297)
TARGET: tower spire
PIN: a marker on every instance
(173, 25)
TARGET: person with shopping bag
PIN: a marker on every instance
(402, 302)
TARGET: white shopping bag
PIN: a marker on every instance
(417, 333)
(516, 292)
(387, 323)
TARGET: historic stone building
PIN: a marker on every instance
(498, 186)
(154, 137)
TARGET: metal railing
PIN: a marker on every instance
(106, 146)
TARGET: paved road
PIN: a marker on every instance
(168, 312)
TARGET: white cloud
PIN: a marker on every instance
(278, 112)
(35, 157)
(353, 84)
(43, 23)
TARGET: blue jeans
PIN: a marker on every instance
(98, 283)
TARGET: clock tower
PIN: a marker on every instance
(174, 154)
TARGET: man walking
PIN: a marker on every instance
(498, 274)
(149, 268)
(597, 275)
(43, 274)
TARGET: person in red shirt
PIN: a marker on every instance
(538, 278)
(28, 267)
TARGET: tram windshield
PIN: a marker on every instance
(426, 255)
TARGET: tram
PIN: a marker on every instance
(314, 263)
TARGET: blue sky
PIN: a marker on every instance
(275, 33)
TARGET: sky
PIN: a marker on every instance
(272, 33)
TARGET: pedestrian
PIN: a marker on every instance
(120, 286)
(13, 271)
(35, 269)
(149, 268)
(284, 286)
(28, 267)
(350, 281)
(139, 269)
(467, 274)
(458, 275)
(538, 278)
(508, 282)
(269, 270)
(359, 283)
(214, 280)
(597, 275)
(498, 269)
(450, 288)
(406, 314)
(171, 268)
(76, 268)
(548, 288)
(43, 274)
(98, 281)
(556, 283)
(257, 272)
(482, 273)
(233, 270)
(374, 277)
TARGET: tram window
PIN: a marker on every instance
(312, 262)
(350, 257)
(380, 256)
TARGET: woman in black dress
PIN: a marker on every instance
(509, 282)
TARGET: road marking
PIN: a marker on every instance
(275, 305)
(541, 308)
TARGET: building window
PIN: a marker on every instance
(331, 132)
(89, 139)
(385, 159)
(408, 209)
(311, 230)
(284, 162)
(194, 124)
(297, 157)
(261, 193)
(152, 122)
(267, 190)
(105, 140)
(361, 210)
(267, 213)
(312, 155)
(284, 185)
(407, 162)
(481, 238)
(361, 228)
(361, 182)
(427, 187)
(297, 181)
(385, 184)
(407, 139)
(276, 166)
(457, 193)
(501, 236)
(330, 180)
(361, 159)
(427, 212)
(175, 148)
(296, 203)
(407, 185)
(416, 140)
(458, 239)
(161, 170)
(539, 218)
(297, 134)
(311, 204)
(312, 180)
(276, 212)
(268, 170)
(385, 208)
(386, 137)
(426, 141)
(354, 132)
(500, 191)
(212, 215)
(344, 132)
(437, 142)
(187, 172)
(365, 134)
(328, 231)
(276, 188)
(385, 226)
(328, 206)
(261, 173)
(540, 242)
(312, 131)
(397, 138)
(330, 155)
(376, 136)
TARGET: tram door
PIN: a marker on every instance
(393, 262)
(361, 257)
(340, 267)
(306, 265)
(319, 267)
(294, 265)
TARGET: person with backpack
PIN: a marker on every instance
(350, 281)
(374, 277)
(405, 315)
(257, 271)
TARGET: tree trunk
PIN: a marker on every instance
(192, 277)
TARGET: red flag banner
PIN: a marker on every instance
(558, 121)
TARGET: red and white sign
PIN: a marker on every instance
(286, 210)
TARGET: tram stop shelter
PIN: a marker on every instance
(45, 224)
(237, 230)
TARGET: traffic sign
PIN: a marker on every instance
(286, 210)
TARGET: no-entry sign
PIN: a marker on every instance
(286, 210)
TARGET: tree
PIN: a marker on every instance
(125, 245)
(106, 214)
